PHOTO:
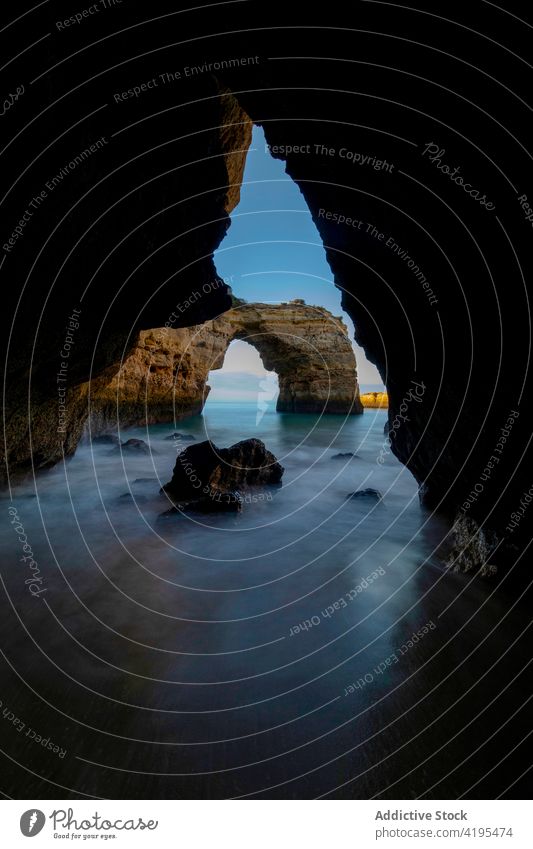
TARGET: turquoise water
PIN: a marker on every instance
(232, 655)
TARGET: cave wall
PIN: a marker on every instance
(145, 244)
(373, 120)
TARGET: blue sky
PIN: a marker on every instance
(271, 253)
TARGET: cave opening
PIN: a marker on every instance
(243, 379)
(273, 254)
(314, 643)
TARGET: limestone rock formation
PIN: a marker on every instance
(165, 375)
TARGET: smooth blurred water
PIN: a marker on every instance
(180, 633)
(306, 528)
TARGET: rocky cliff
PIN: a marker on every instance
(164, 377)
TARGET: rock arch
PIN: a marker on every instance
(165, 375)
(309, 350)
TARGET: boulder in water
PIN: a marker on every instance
(205, 471)
(343, 455)
(132, 446)
(375, 494)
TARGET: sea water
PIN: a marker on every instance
(312, 644)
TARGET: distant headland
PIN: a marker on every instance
(375, 399)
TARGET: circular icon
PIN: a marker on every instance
(32, 822)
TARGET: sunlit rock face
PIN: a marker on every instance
(375, 399)
(165, 375)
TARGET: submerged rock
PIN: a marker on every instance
(129, 496)
(186, 437)
(365, 493)
(205, 472)
(343, 455)
(134, 445)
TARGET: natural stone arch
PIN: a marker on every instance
(309, 350)
(165, 375)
